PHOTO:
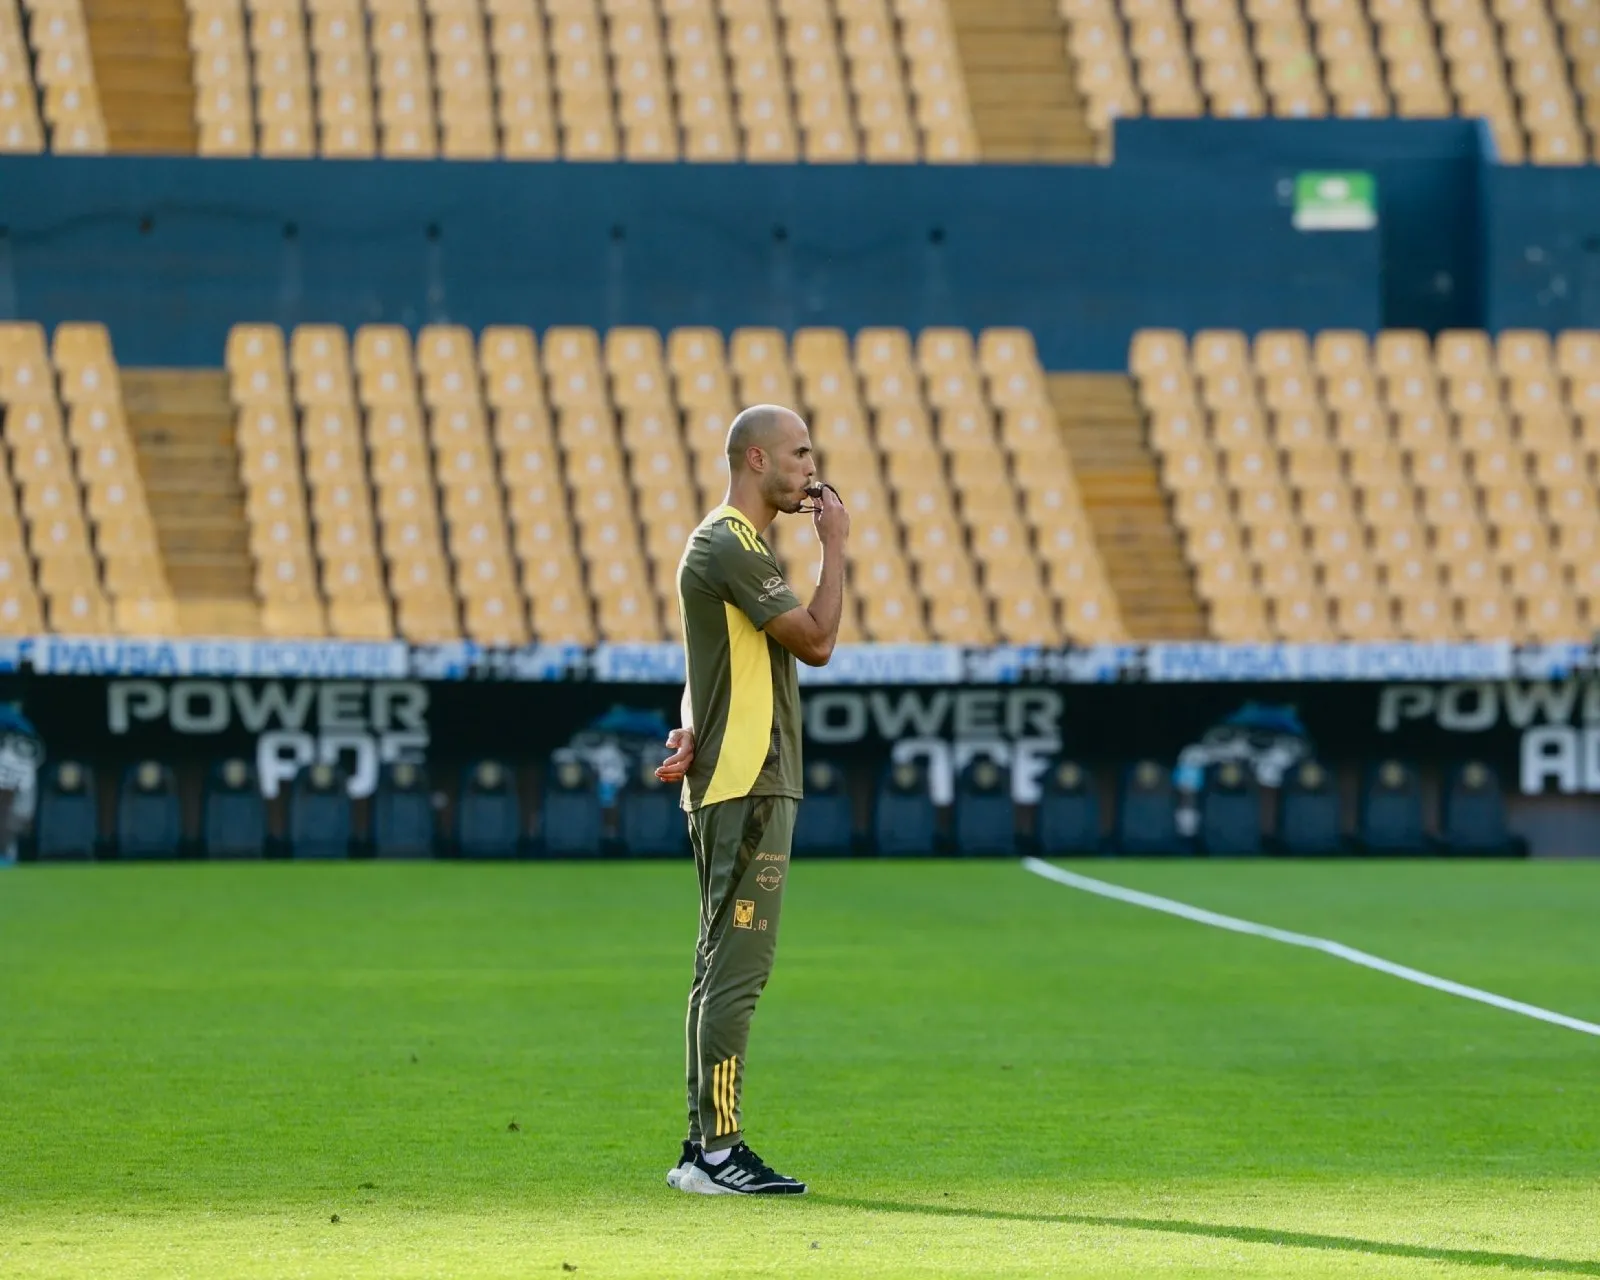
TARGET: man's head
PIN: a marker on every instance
(769, 450)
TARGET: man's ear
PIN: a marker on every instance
(755, 458)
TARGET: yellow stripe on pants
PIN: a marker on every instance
(722, 1094)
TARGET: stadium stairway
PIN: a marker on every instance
(1020, 83)
(140, 51)
(181, 423)
(1104, 432)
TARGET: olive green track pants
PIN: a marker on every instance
(741, 851)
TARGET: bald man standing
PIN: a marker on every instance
(738, 755)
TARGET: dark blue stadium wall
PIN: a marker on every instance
(1190, 228)
(170, 252)
(1543, 247)
(1429, 177)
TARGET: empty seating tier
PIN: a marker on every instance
(1328, 487)
(595, 80)
(543, 488)
(63, 72)
(1532, 72)
(509, 487)
(824, 81)
(78, 550)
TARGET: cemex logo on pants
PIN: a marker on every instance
(359, 724)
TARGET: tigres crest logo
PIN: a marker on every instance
(744, 913)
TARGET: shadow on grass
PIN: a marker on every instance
(1248, 1235)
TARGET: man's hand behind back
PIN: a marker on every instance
(681, 744)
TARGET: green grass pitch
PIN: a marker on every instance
(476, 1071)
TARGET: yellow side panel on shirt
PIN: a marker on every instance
(748, 737)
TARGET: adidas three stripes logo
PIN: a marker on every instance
(723, 1076)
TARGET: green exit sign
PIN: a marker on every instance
(1335, 202)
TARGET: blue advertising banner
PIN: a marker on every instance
(1201, 662)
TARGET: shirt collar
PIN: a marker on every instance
(728, 511)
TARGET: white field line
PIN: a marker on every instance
(1201, 916)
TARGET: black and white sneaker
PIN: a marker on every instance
(743, 1173)
(675, 1174)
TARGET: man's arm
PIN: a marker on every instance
(811, 631)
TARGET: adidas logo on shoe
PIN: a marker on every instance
(743, 1173)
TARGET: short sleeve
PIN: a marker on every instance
(748, 577)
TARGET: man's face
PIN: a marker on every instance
(791, 467)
